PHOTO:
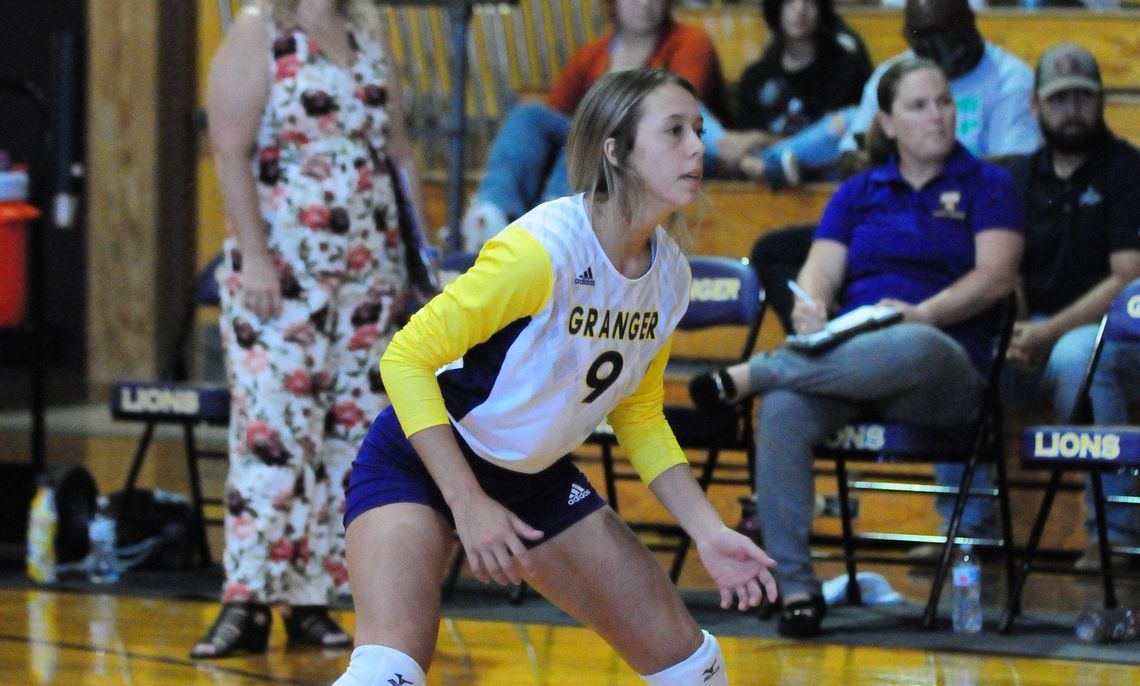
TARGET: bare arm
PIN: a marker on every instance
(236, 94)
(489, 532)
(997, 252)
(822, 277)
(732, 559)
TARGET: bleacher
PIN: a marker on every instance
(516, 51)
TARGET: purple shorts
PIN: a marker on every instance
(388, 470)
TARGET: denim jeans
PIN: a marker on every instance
(910, 373)
(1116, 383)
(815, 147)
(527, 161)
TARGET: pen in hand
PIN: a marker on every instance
(800, 293)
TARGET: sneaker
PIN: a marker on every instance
(784, 176)
(482, 221)
(790, 166)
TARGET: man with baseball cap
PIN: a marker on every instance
(1082, 245)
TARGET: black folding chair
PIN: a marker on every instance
(882, 442)
(725, 295)
(1080, 445)
(177, 400)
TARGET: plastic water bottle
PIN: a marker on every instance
(104, 563)
(42, 523)
(967, 592)
(1108, 626)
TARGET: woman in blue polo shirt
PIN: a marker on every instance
(933, 232)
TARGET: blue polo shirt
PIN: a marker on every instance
(909, 244)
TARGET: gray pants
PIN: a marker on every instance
(910, 373)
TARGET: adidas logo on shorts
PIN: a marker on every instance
(586, 278)
(577, 493)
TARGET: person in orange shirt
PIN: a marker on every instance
(527, 160)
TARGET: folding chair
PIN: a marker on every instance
(177, 400)
(882, 442)
(725, 294)
(1082, 446)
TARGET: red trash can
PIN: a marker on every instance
(14, 217)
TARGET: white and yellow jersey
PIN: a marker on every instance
(530, 349)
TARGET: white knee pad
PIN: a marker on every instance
(705, 667)
(372, 665)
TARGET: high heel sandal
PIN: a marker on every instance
(312, 625)
(712, 390)
(802, 618)
(239, 627)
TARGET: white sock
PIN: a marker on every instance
(705, 667)
(372, 665)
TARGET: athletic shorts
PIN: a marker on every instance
(388, 470)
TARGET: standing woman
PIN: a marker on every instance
(304, 116)
(564, 320)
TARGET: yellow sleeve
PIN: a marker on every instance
(639, 423)
(512, 278)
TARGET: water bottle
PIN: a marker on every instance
(967, 592)
(1105, 626)
(42, 523)
(104, 564)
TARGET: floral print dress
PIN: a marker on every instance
(306, 384)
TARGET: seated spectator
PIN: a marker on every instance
(1081, 248)
(991, 88)
(931, 231)
(813, 69)
(527, 161)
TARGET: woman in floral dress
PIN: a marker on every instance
(305, 119)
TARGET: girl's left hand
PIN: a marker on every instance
(739, 567)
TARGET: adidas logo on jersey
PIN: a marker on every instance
(586, 278)
(711, 671)
(577, 493)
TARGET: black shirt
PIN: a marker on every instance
(1075, 224)
(781, 102)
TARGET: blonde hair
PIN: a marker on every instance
(612, 109)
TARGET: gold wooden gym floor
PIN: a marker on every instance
(78, 639)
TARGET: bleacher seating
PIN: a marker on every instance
(516, 51)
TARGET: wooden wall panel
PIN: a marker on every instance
(141, 188)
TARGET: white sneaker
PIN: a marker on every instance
(791, 167)
(482, 221)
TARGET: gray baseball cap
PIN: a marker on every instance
(1067, 66)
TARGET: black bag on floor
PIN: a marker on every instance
(154, 530)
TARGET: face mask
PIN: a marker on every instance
(957, 51)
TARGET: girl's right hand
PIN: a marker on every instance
(261, 286)
(490, 534)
